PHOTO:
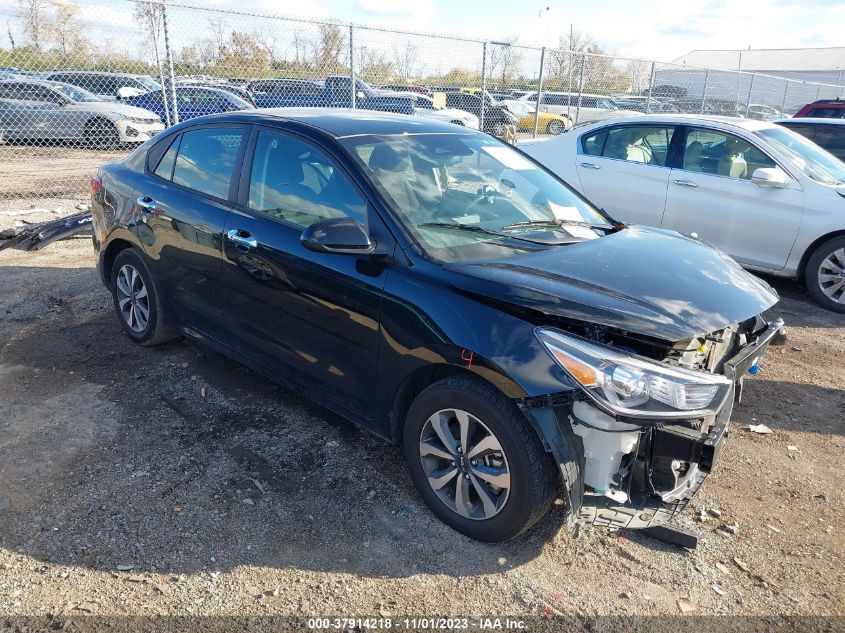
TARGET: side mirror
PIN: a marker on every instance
(770, 177)
(360, 96)
(126, 92)
(337, 235)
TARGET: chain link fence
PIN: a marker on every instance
(81, 84)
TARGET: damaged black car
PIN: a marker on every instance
(446, 292)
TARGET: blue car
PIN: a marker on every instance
(192, 101)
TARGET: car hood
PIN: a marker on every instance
(447, 113)
(114, 107)
(647, 281)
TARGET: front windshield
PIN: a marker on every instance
(242, 103)
(468, 196)
(75, 94)
(149, 84)
(815, 162)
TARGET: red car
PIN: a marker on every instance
(823, 109)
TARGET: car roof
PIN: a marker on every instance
(47, 83)
(684, 119)
(340, 122)
(94, 72)
(802, 120)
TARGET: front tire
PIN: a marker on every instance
(102, 134)
(825, 275)
(137, 300)
(476, 461)
(554, 128)
(499, 129)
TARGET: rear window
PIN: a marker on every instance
(165, 165)
(827, 113)
(205, 161)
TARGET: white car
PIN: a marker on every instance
(763, 194)
(592, 107)
(425, 107)
(48, 110)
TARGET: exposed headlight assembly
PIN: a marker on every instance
(634, 386)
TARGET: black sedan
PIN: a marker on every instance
(446, 292)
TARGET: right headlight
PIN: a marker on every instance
(631, 385)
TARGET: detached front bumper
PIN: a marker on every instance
(643, 472)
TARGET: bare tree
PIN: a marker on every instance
(65, 29)
(639, 72)
(267, 41)
(9, 33)
(504, 58)
(34, 16)
(218, 38)
(405, 59)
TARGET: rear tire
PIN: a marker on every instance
(137, 300)
(497, 486)
(825, 275)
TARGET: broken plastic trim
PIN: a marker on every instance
(33, 237)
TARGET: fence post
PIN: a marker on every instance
(569, 87)
(169, 57)
(704, 92)
(482, 96)
(783, 103)
(580, 87)
(154, 17)
(650, 88)
(353, 92)
(748, 101)
(539, 91)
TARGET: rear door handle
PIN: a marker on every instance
(243, 238)
(146, 203)
(685, 183)
(590, 166)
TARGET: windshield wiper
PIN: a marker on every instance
(475, 229)
(555, 223)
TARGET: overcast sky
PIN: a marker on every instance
(653, 29)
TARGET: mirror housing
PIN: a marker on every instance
(770, 177)
(360, 96)
(337, 235)
(125, 92)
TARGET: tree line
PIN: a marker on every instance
(54, 38)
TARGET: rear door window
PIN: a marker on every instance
(206, 159)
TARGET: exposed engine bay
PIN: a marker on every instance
(640, 472)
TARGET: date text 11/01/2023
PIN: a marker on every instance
(415, 623)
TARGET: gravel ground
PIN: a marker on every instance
(126, 491)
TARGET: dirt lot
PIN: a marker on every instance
(124, 491)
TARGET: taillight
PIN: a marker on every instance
(96, 184)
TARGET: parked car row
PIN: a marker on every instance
(200, 95)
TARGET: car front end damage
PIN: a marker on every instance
(640, 433)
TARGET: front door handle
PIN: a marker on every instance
(685, 183)
(590, 166)
(147, 203)
(243, 238)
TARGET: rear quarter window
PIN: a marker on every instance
(206, 158)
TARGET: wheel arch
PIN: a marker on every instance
(417, 380)
(114, 248)
(808, 252)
